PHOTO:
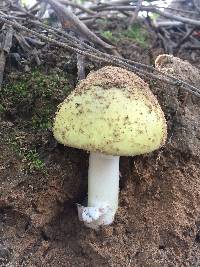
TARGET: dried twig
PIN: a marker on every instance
(41, 12)
(168, 44)
(115, 61)
(71, 22)
(80, 67)
(135, 14)
(23, 43)
(191, 47)
(185, 38)
(82, 8)
(27, 48)
(197, 4)
(150, 9)
(65, 20)
(5, 49)
(78, 46)
(167, 23)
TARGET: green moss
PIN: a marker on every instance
(34, 97)
(108, 35)
(103, 22)
(2, 110)
(28, 155)
(30, 100)
(137, 33)
(33, 159)
(154, 16)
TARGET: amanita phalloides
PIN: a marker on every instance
(111, 113)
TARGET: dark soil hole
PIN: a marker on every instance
(44, 236)
(197, 239)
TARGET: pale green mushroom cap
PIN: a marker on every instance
(113, 112)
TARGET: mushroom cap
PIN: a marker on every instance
(113, 112)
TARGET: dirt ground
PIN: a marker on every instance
(158, 221)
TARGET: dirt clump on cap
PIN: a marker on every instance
(110, 76)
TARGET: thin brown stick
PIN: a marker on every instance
(135, 14)
(185, 38)
(42, 10)
(115, 61)
(2, 66)
(80, 67)
(5, 49)
(75, 42)
(197, 5)
(72, 22)
(27, 48)
(8, 39)
(167, 24)
(150, 9)
(82, 8)
(178, 10)
(23, 43)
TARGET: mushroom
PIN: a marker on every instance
(111, 113)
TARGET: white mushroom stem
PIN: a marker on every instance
(103, 190)
(103, 183)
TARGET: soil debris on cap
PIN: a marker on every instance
(112, 111)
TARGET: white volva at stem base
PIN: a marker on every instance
(103, 191)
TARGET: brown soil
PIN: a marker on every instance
(158, 221)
